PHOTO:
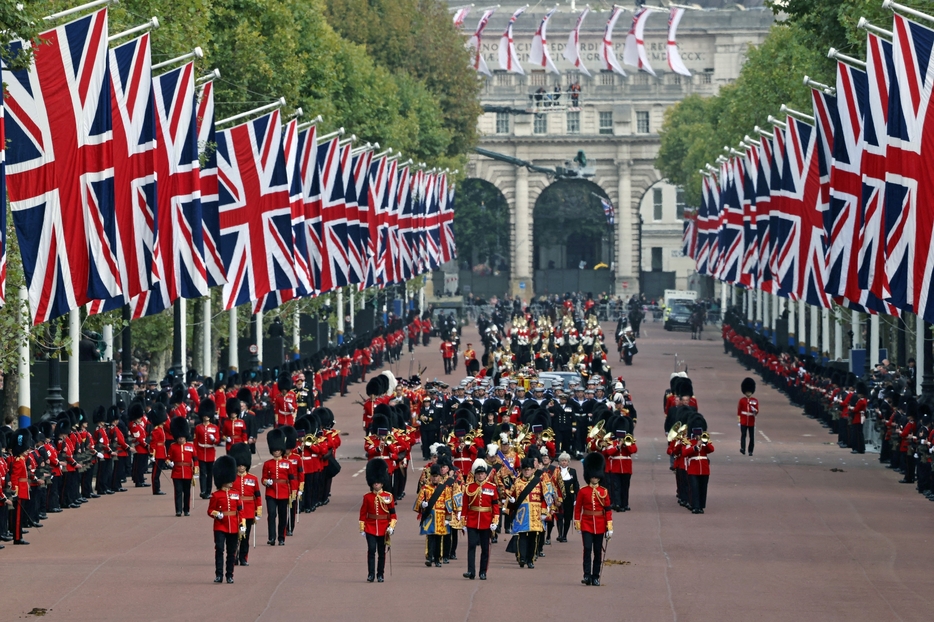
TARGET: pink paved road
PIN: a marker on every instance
(784, 537)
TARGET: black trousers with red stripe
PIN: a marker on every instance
(19, 515)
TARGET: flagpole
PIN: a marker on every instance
(151, 24)
(338, 132)
(308, 124)
(901, 8)
(843, 58)
(78, 9)
(882, 32)
(195, 53)
(276, 104)
(216, 73)
(25, 396)
(206, 345)
(232, 354)
(74, 333)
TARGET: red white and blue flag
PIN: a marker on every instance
(255, 211)
(334, 239)
(207, 141)
(60, 168)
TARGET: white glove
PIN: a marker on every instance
(389, 531)
(228, 439)
(268, 482)
(363, 533)
(171, 465)
(609, 535)
(448, 523)
(424, 504)
(512, 499)
(242, 529)
(210, 438)
(220, 516)
(100, 455)
(494, 526)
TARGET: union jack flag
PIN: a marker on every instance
(909, 254)
(335, 255)
(431, 224)
(293, 167)
(2, 216)
(361, 231)
(750, 259)
(388, 246)
(179, 255)
(870, 259)
(763, 213)
(354, 256)
(134, 147)
(731, 229)
(255, 211)
(60, 168)
(713, 226)
(207, 143)
(702, 251)
(311, 197)
(689, 236)
(801, 186)
(405, 268)
(781, 233)
(378, 202)
(448, 244)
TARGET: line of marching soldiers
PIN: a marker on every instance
(688, 443)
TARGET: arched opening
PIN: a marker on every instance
(481, 227)
(573, 239)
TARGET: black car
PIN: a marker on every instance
(678, 316)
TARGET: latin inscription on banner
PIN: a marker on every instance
(591, 50)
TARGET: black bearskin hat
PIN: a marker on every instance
(377, 471)
(382, 409)
(99, 416)
(696, 422)
(748, 386)
(37, 436)
(240, 452)
(291, 436)
(325, 417)
(861, 388)
(380, 425)
(46, 428)
(377, 385)
(135, 411)
(435, 469)
(445, 459)
(178, 394)
(233, 407)
(275, 439)
(245, 396)
(179, 428)
(225, 471)
(540, 421)
(207, 408)
(622, 426)
(593, 466)
(284, 382)
(534, 453)
(157, 414)
(21, 442)
(527, 463)
(600, 412)
(686, 388)
(113, 414)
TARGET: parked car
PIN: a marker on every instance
(678, 316)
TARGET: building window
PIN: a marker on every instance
(574, 123)
(676, 79)
(540, 126)
(707, 76)
(607, 78)
(657, 259)
(538, 78)
(606, 122)
(640, 79)
(657, 203)
(679, 203)
(642, 122)
(501, 78)
(502, 122)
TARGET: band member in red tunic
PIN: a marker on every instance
(226, 508)
(481, 514)
(696, 461)
(20, 444)
(746, 412)
(158, 446)
(184, 464)
(207, 437)
(377, 518)
(593, 517)
(235, 428)
(286, 402)
(277, 478)
(247, 486)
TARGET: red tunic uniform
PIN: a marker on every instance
(377, 513)
(183, 459)
(286, 406)
(695, 457)
(247, 486)
(235, 432)
(481, 505)
(157, 443)
(746, 410)
(593, 510)
(375, 448)
(207, 437)
(277, 478)
(619, 457)
(225, 507)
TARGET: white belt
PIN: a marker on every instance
(696, 458)
(620, 457)
(205, 446)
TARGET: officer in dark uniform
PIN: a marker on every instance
(564, 423)
(302, 397)
(430, 417)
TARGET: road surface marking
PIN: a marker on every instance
(358, 472)
(764, 436)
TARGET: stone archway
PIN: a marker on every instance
(573, 241)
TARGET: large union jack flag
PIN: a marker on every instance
(750, 258)
(448, 244)
(378, 202)
(909, 177)
(60, 168)
(255, 212)
(207, 143)
(179, 256)
(763, 212)
(134, 147)
(293, 166)
(335, 254)
(731, 229)
(311, 198)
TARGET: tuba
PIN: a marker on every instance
(596, 429)
(676, 431)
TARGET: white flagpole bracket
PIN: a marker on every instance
(151, 24)
(901, 8)
(882, 32)
(334, 134)
(216, 73)
(276, 104)
(297, 113)
(348, 141)
(78, 9)
(843, 58)
(366, 147)
(195, 53)
(394, 156)
(824, 88)
(735, 152)
(801, 116)
(777, 122)
(711, 169)
(308, 124)
(383, 153)
(761, 132)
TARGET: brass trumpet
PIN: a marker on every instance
(704, 438)
(309, 440)
(628, 440)
(548, 435)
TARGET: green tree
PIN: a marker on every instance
(481, 223)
